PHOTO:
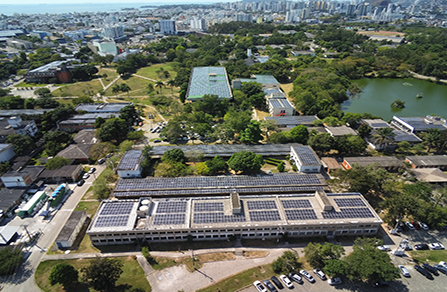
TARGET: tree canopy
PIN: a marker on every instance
(63, 274)
(246, 162)
(113, 130)
(102, 273)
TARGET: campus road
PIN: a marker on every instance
(23, 280)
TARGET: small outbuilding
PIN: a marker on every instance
(130, 164)
(71, 230)
(305, 159)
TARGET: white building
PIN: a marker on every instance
(280, 107)
(114, 31)
(130, 164)
(6, 152)
(167, 27)
(70, 231)
(305, 159)
(198, 24)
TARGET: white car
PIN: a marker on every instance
(404, 271)
(423, 226)
(435, 246)
(410, 226)
(258, 285)
(307, 276)
(86, 176)
(384, 247)
(334, 281)
(320, 274)
(286, 281)
(441, 263)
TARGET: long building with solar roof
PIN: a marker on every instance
(248, 216)
(208, 80)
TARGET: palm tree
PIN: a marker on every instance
(125, 88)
(160, 85)
(115, 89)
(171, 83)
(433, 139)
(150, 88)
(383, 136)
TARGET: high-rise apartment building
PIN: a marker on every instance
(167, 27)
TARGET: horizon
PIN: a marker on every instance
(147, 2)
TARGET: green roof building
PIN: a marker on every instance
(208, 80)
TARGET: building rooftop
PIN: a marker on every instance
(64, 171)
(217, 212)
(8, 197)
(131, 160)
(306, 155)
(76, 151)
(226, 150)
(376, 123)
(428, 160)
(385, 161)
(263, 79)
(293, 120)
(30, 170)
(208, 80)
(18, 112)
(5, 146)
(340, 131)
(420, 124)
(85, 137)
(70, 225)
(280, 103)
(431, 175)
(102, 107)
(47, 67)
(85, 118)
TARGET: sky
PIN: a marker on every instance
(148, 2)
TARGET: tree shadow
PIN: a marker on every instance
(122, 288)
(394, 286)
(78, 287)
(23, 273)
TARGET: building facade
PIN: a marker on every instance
(167, 27)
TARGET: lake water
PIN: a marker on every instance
(378, 94)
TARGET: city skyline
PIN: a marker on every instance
(148, 2)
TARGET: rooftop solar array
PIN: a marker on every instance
(296, 204)
(169, 219)
(293, 120)
(213, 206)
(265, 216)
(348, 213)
(117, 209)
(301, 214)
(227, 181)
(306, 155)
(101, 107)
(260, 205)
(226, 150)
(209, 80)
(263, 79)
(172, 207)
(354, 202)
(280, 103)
(130, 160)
(112, 221)
(217, 217)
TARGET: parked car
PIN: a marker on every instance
(157, 141)
(384, 247)
(404, 271)
(410, 226)
(80, 183)
(424, 272)
(381, 284)
(334, 281)
(440, 268)
(258, 285)
(92, 170)
(416, 225)
(307, 276)
(406, 246)
(86, 176)
(421, 246)
(295, 277)
(277, 282)
(436, 246)
(286, 281)
(441, 263)
(431, 269)
(320, 274)
(423, 226)
(270, 286)
(101, 161)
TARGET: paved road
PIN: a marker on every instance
(23, 280)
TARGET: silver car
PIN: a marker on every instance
(404, 271)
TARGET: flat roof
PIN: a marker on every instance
(341, 130)
(5, 146)
(306, 155)
(428, 160)
(226, 150)
(216, 212)
(102, 107)
(50, 66)
(18, 112)
(263, 79)
(293, 120)
(71, 225)
(280, 103)
(421, 124)
(208, 80)
(130, 160)
(385, 161)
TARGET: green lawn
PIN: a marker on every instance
(243, 279)
(26, 84)
(89, 207)
(433, 256)
(152, 71)
(132, 276)
(79, 88)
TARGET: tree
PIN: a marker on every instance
(334, 267)
(279, 138)
(159, 84)
(367, 263)
(42, 92)
(102, 273)
(57, 162)
(281, 166)
(146, 160)
(171, 83)
(21, 143)
(150, 88)
(82, 99)
(101, 189)
(173, 130)
(269, 126)
(176, 155)
(57, 136)
(216, 165)
(125, 146)
(172, 169)
(11, 258)
(316, 254)
(113, 130)
(129, 114)
(115, 89)
(364, 130)
(383, 137)
(63, 274)
(286, 263)
(99, 122)
(246, 162)
(322, 142)
(351, 145)
(125, 88)
(100, 150)
(52, 148)
(299, 134)
(252, 134)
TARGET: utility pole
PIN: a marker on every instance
(192, 256)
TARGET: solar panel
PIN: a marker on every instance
(112, 221)
(209, 80)
(220, 217)
(356, 202)
(169, 219)
(264, 216)
(296, 204)
(171, 207)
(259, 205)
(306, 155)
(130, 160)
(117, 208)
(346, 213)
(213, 206)
(301, 214)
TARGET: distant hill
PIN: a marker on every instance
(382, 3)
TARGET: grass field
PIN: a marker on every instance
(89, 207)
(132, 276)
(152, 71)
(433, 256)
(26, 84)
(79, 88)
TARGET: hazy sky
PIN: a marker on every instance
(18, 2)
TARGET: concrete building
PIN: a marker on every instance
(103, 47)
(23, 178)
(305, 159)
(428, 161)
(113, 32)
(19, 44)
(78, 153)
(280, 107)
(208, 80)
(292, 121)
(267, 81)
(198, 24)
(340, 131)
(110, 108)
(167, 27)
(418, 124)
(130, 164)
(6, 152)
(389, 163)
(77, 123)
(71, 230)
(67, 173)
(223, 217)
(56, 69)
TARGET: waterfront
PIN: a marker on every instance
(378, 94)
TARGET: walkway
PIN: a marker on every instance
(423, 77)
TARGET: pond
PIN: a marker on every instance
(378, 94)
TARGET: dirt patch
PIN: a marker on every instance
(381, 33)
(215, 257)
(255, 254)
